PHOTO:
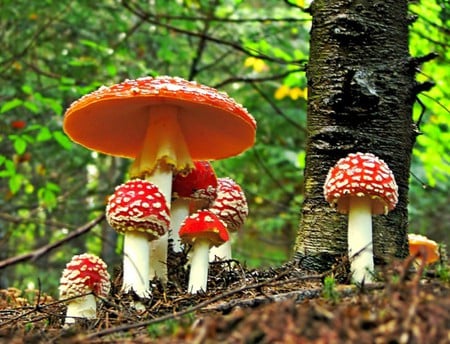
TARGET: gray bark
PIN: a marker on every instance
(361, 93)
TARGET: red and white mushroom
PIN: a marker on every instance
(361, 185)
(202, 230)
(84, 278)
(231, 207)
(192, 191)
(163, 123)
(423, 248)
(139, 211)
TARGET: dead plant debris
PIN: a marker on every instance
(282, 305)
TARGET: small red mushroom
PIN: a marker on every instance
(423, 248)
(361, 185)
(84, 278)
(231, 207)
(202, 230)
(138, 210)
(195, 190)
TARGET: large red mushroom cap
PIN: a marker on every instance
(198, 185)
(114, 120)
(361, 175)
(203, 224)
(85, 273)
(230, 205)
(138, 205)
(423, 247)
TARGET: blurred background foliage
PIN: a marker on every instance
(53, 52)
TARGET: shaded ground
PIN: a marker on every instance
(284, 305)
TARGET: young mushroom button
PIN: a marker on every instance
(138, 210)
(361, 185)
(84, 278)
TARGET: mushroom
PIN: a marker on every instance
(163, 123)
(195, 190)
(423, 248)
(138, 210)
(231, 207)
(361, 185)
(202, 230)
(84, 278)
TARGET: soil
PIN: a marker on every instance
(409, 304)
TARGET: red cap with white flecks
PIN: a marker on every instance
(230, 204)
(85, 273)
(199, 185)
(203, 224)
(361, 175)
(138, 205)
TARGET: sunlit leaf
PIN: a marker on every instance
(15, 182)
(11, 104)
(62, 139)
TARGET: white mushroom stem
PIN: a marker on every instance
(222, 252)
(198, 275)
(360, 246)
(178, 212)
(135, 263)
(162, 177)
(82, 307)
(163, 149)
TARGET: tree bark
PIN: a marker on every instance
(361, 93)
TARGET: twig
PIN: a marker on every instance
(36, 254)
(270, 282)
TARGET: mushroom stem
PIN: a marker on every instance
(82, 307)
(162, 177)
(135, 263)
(198, 274)
(178, 212)
(164, 149)
(360, 247)
(163, 142)
(222, 252)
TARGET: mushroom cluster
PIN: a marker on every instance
(164, 124)
(192, 191)
(361, 185)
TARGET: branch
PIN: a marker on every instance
(36, 254)
(245, 79)
(150, 18)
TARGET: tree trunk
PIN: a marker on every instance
(361, 93)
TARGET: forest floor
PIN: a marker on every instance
(282, 305)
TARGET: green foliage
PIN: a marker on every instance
(329, 291)
(53, 52)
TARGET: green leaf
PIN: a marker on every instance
(62, 139)
(31, 106)
(20, 145)
(15, 182)
(27, 89)
(9, 105)
(44, 135)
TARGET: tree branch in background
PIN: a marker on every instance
(150, 18)
(36, 254)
